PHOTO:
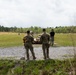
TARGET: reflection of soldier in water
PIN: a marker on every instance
(28, 40)
(45, 38)
(52, 33)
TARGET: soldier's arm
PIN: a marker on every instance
(48, 37)
(24, 40)
(32, 39)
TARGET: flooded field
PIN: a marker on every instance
(54, 52)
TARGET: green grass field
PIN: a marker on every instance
(13, 39)
(66, 39)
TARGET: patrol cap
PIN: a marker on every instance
(28, 31)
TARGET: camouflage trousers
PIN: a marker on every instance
(29, 47)
(45, 48)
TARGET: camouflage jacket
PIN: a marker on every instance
(28, 39)
(45, 38)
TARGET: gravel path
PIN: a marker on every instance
(54, 52)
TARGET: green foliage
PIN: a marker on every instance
(18, 70)
(41, 67)
(60, 29)
(66, 29)
(5, 65)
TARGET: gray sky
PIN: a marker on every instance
(42, 13)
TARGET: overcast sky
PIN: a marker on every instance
(42, 13)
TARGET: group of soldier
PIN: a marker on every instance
(45, 40)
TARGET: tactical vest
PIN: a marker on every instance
(28, 39)
(45, 38)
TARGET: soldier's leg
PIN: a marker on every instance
(44, 53)
(27, 53)
(47, 50)
(52, 41)
(32, 51)
(47, 53)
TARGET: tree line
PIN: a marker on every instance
(58, 29)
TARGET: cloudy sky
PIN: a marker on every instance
(42, 13)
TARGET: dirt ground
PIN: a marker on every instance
(54, 52)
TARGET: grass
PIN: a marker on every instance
(41, 67)
(66, 39)
(11, 39)
(8, 39)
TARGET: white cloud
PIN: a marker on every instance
(25, 13)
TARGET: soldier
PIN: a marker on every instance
(52, 33)
(28, 40)
(45, 38)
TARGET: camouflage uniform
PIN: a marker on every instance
(28, 40)
(45, 38)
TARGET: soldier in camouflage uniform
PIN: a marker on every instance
(45, 38)
(28, 40)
